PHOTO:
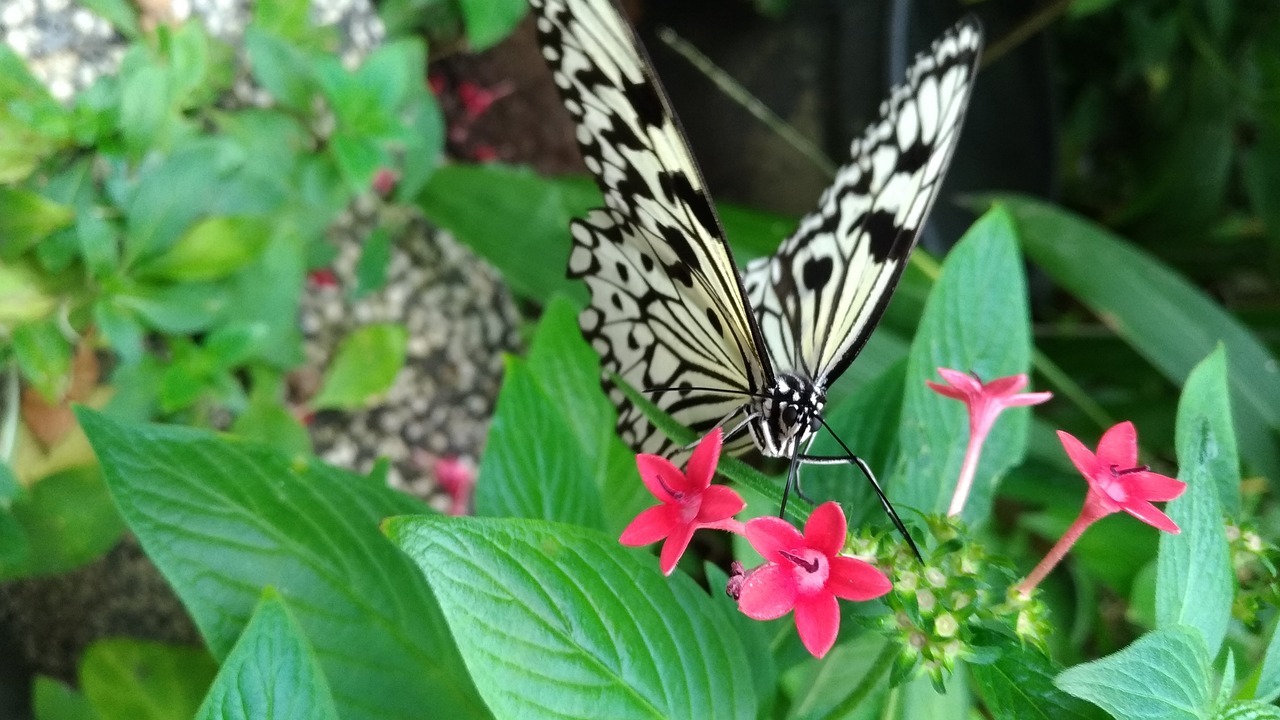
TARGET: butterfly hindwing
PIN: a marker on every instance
(819, 297)
(668, 309)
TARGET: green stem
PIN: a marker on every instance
(879, 667)
(734, 91)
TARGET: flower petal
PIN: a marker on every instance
(1021, 399)
(1119, 446)
(1081, 456)
(964, 382)
(650, 526)
(818, 622)
(769, 592)
(661, 477)
(771, 535)
(719, 503)
(826, 529)
(853, 579)
(702, 464)
(674, 547)
(1005, 385)
(1149, 514)
(1153, 486)
(947, 390)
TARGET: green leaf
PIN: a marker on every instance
(44, 357)
(371, 268)
(271, 673)
(146, 107)
(267, 420)
(1268, 687)
(25, 295)
(179, 309)
(1248, 710)
(547, 619)
(917, 698)
(364, 367)
(482, 204)
(489, 21)
(423, 144)
(99, 244)
(67, 520)
(358, 156)
(1171, 323)
(121, 329)
(291, 21)
(986, 332)
(213, 248)
(1163, 675)
(122, 15)
(222, 519)
(1195, 580)
(54, 701)
(26, 218)
(532, 466)
(1019, 684)
(127, 679)
(281, 68)
(392, 71)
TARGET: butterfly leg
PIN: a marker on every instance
(852, 459)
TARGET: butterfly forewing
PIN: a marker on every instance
(668, 309)
(819, 297)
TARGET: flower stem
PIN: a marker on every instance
(1057, 552)
(965, 483)
(737, 527)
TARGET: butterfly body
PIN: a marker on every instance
(670, 313)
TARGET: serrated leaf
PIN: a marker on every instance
(1163, 675)
(223, 519)
(364, 366)
(1195, 580)
(127, 679)
(271, 672)
(26, 218)
(1019, 684)
(987, 333)
(1171, 323)
(547, 619)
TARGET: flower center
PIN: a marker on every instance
(811, 569)
(1113, 487)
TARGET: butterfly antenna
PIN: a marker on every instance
(875, 484)
(786, 488)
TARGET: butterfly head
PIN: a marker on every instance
(789, 413)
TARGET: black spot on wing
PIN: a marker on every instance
(679, 189)
(715, 321)
(644, 98)
(913, 158)
(817, 272)
(623, 274)
(680, 245)
(882, 233)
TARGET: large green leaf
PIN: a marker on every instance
(556, 620)
(223, 519)
(976, 320)
(126, 679)
(271, 673)
(1171, 323)
(1196, 582)
(1019, 684)
(1163, 675)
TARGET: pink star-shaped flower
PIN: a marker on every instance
(689, 502)
(807, 573)
(1117, 482)
(985, 402)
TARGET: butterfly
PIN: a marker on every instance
(670, 314)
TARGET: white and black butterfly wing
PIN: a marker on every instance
(819, 297)
(668, 308)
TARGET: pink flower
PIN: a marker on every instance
(985, 402)
(324, 277)
(807, 573)
(689, 502)
(384, 181)
(457, 478)
(1116, 482)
